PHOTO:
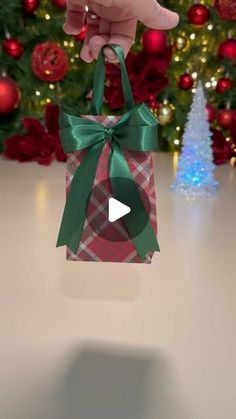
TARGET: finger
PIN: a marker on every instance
(155, 16)
(91, 31)
(106, 3)
(123, 41)
(98, 40)
(97, 43)
(123, 34)
(75, 16)
(97, 35)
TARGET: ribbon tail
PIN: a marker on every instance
(77, 200)
(146, 241)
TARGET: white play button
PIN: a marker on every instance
(117, 210)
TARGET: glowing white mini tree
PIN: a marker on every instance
(195, 174)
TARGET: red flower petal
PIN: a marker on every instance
(45, 161)
(52, 118)
(34, 127)
(59, 153)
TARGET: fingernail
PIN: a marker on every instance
(86, 54)
(70, 30)
(110, 54)
(177, 18)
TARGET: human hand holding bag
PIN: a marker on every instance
(114, 22)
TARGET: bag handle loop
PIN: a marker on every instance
(99, 81)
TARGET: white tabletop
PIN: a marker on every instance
(116, 341)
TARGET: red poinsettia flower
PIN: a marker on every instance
(52, 124)
(39, 143)
(233, 133)
(21, 147)
(221, 148)
(147, 75)
(233, 128)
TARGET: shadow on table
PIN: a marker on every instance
(109, 383)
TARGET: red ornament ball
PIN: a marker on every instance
(224, 84)
(81, 36)
(10, 95)
(13, 48)
(198, 14)
(49, 62)
(227, 49)
(154, 41)
(211, 113)
(186, 81)
(61, 4)
(29, 6)
(225, 118)
(226, 9)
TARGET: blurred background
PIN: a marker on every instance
(40, 67)
(115, 340)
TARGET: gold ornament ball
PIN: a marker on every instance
(154, 111)
(165, 114)
(181, 42)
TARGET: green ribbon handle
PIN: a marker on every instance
(136, 130)
(99, 81)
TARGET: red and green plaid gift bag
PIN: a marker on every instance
(109, 156)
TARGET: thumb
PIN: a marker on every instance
(155, 16)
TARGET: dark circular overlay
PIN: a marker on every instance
(97, 214)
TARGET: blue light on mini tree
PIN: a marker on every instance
(195, 174)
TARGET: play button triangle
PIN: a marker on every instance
(117, 210)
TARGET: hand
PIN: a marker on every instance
(115, 22)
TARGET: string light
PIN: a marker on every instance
(176, 142)
(208, 84)
(47, 16)
(194, 75)
(51, 86)
(177, 59)
(192, 36)
(210, 27)
(38, 93)
(178, 128)
(48, 100)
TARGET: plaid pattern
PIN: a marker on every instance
(93, 247)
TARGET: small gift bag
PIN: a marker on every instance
(109, 157)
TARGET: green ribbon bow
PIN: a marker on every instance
(136, 130)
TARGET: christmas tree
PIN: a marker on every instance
(43, 66)
(195, 175)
